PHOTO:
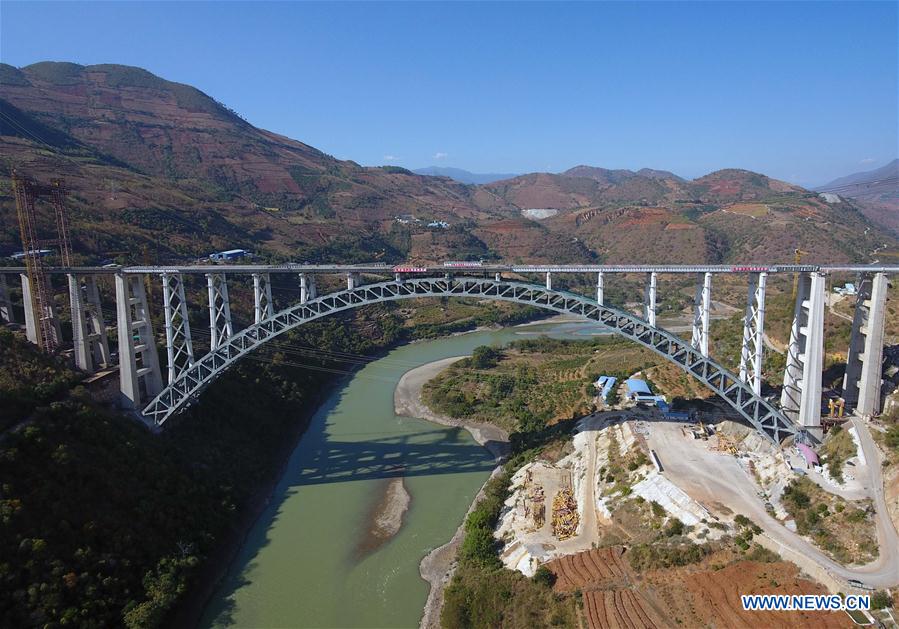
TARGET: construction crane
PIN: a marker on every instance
(27, 192)
(797, 257)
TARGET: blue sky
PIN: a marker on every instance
(804, 92)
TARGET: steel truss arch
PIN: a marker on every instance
(187, 387)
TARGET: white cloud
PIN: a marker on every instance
(868, 160)
(439, 155)
(390, 158)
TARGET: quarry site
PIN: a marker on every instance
(633, 477)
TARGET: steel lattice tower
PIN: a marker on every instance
(27, 192)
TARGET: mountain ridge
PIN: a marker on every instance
(167, 172)
(461, 175)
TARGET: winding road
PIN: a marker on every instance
(711, 477)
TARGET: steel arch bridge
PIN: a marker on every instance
(182, 391)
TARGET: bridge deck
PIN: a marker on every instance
(242, 269)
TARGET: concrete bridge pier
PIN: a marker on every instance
(600, 288)
(88, 328)
(649, 298)
(304, 287)
(6, 312)
(752, 353)
(139, 375)
(701, 307)
(549, 281)
(864, 365)
(47, 321)
(353, 280)
(262, 297)
(801, 395)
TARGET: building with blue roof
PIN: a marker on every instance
(605, 384)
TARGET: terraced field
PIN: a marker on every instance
(596, 568)
(619, 609)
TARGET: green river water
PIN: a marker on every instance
(301, 565)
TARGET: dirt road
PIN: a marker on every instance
(711, 477)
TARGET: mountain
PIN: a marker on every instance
(876, 191)
(150, 158)
(604, 175)
(462, 176)
(884, 177)
(159, 172)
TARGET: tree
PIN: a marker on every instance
(484, 357)
(545, 576)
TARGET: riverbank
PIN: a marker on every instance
(190, 608)
(407, 402)
(437, 567)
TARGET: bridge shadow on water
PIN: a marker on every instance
(421, 453)
(329, 453)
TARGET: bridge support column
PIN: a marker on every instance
(6, 312)
(179, 347)
(353, 280)
(219, 309)
(47, 320)
(600, 288)
(398, 278)
(88, 328)
(801, 396)
(549, 281)
(498, 277)
(262, 297)
(139, 376)
(649, 299)
(864, 365)
(701, 307)
(304, 288)
(752, 353)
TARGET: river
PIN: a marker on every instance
(304, 563)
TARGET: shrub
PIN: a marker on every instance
(881, 599)
(545, 576)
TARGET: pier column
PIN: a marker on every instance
(220, 327)
(752, 353)
(89, 340)
(864, 365)
(600, 288)
(701, 306)
(139, 375)
(262, 297)
(801, 396)
(178, 343)
(47, 321)
(649, 301)
(6, 312)
(549, 281)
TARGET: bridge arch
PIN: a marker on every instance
(192, 382)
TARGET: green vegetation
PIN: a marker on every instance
(485, 594)
(667, 555)
(102, 522)
(28, 379)
(105, 524)
(843, 529)
(881, 599)
(837, 449)
(531, 383)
